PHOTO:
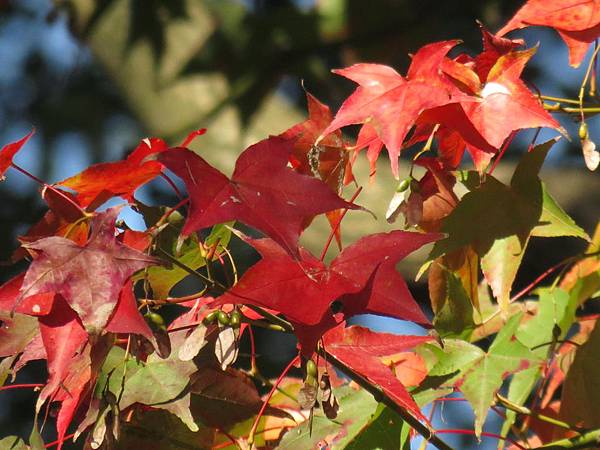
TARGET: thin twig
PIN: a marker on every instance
(591, 439)
(528, 412)
(266, 402)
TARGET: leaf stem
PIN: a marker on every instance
(590, 439)
(557, 107)
(21, 386)
(173, 300)
(381, 397)
(526, 411)
(52, 188)
(284, 324)
(266, 402)
(163, 219)
(483, 433)
(337, 225)
(209, 282)
(264, 324)
(502, 151)
(585, 80)
(172, 184)
(58, 441)
(428, 144)
(549, 271)
(559, 99)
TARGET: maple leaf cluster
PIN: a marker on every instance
(79, 303)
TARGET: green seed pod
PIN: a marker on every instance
(404, 184)
(155, 319)
(223, 318)
(235, 318)
(583, 131)
(311, 369)
(210, 317)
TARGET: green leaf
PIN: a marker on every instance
(159, 430)
(13, 443)
(555, 314)
(5, 368)
(520, 387)
(500, 265)
(454, 357)
(162, 279)
(180, 407)
(355, 412)
(156, 383)
(555, 309)
(189, 253)
(581, 388)
(555, 221)
(117, 367)
(455, 318)
(385, 431)
(35, 439)
(497, 220)
(484, 377)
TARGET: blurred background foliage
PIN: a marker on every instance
(95, 76)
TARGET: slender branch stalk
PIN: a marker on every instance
(172, 184)
(483, 433)
(21, 386)
(557, 107)
(590, 439)
(266, 402)
(502, 151)
(52, 188)
(550, 270)
(528, 412)
(276, 320)
(559, 99)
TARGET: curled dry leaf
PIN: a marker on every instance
(395, 206)
(307, 396)
(226, 346)
(590, 154)
(329, 402)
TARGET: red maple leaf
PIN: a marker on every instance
(361, 349)
(506, 104)
(263, 192)
(63, 218)
(99, 182)
(328, 160)
(501, 103)
(63, 336)
(361, 279)
(390, 103)
(89, 277)
(577, 22)
(126, 317)
(8, 152)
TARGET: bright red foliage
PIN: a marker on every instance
(79, 303)
(263, 192)
(577, 22)
(8, 152)
(89, 277)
